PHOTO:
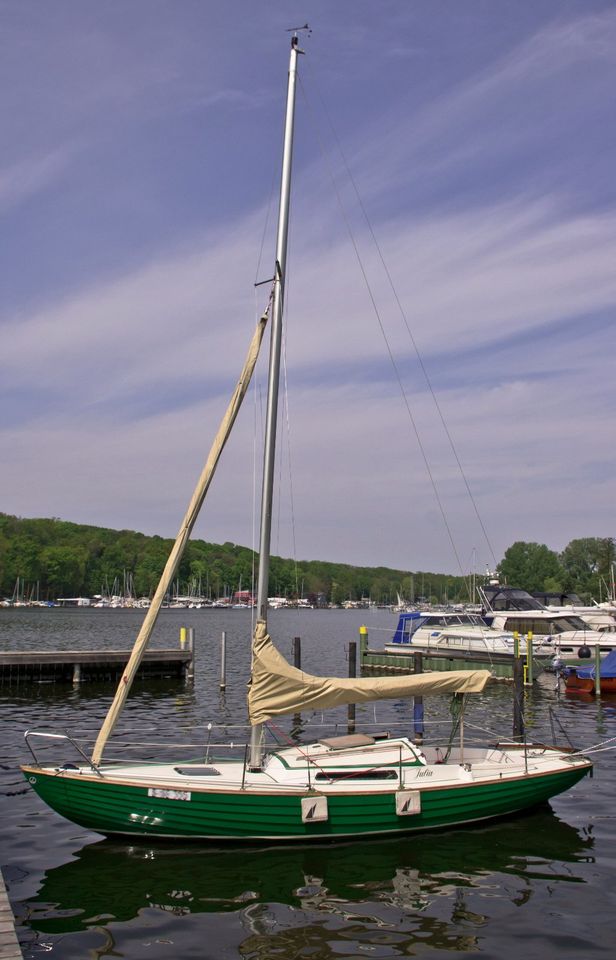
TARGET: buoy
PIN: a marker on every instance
(584, 653)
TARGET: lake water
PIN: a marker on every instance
(537, 885)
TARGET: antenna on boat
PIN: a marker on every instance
(296, 30)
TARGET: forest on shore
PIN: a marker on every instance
(48, 558)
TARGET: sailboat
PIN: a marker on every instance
(336, 788)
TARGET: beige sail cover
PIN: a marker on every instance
(277, 687)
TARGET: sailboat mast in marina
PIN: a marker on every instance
(340, 787)
(274, 368)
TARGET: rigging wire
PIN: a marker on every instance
(384, 335)
(406, 323)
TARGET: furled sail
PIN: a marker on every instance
(278, 688)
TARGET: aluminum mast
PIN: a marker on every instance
(274, 369)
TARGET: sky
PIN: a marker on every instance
(448, 384)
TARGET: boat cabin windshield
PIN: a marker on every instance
(545, 625)
(558, 599)
(409, 623)
(509, 598)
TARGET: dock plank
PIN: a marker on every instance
(9, 944)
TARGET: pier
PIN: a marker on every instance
(79, 666)
(9, 945)
(389, 662)
(384, 662)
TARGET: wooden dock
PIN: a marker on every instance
(9, 945)
(388, 662)
(79, 666)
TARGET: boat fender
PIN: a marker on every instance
(584, 653)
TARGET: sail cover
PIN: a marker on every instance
(278, 688)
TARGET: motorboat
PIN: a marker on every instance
(514, 610)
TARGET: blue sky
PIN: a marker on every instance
(138, 187)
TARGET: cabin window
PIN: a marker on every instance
(357, 775)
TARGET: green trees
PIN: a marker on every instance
(587, 565)
(531, 566)
(57, 558)
(53, 558)
(584, 567)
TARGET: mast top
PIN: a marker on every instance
(295, 38)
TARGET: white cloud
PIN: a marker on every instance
(482, 280)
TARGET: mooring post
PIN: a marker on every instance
(76, 673)
(529, 657)
(190, 666)
(182, 638)
(297, 662)
(352, 673)
(597, 670)
(518, 698)
(418, 706)
(223, 660)
(363, 644)
(297, 652)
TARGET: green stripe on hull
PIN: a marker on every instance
(110, 808)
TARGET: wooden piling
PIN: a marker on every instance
(597, 670)
(297, 662)
(352, 673)
(418, 707)
(297, 652)
(190, 666)
(223, 660)
(363, 644)
(518, 698)
(529, 658)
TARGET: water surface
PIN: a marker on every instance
(538, 885)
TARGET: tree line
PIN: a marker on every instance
(45, 559)
(585, 567)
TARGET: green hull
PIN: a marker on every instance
(109, 808)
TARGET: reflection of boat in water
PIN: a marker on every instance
(116, 881)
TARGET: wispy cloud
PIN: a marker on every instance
(23, 180)
(500, 242)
